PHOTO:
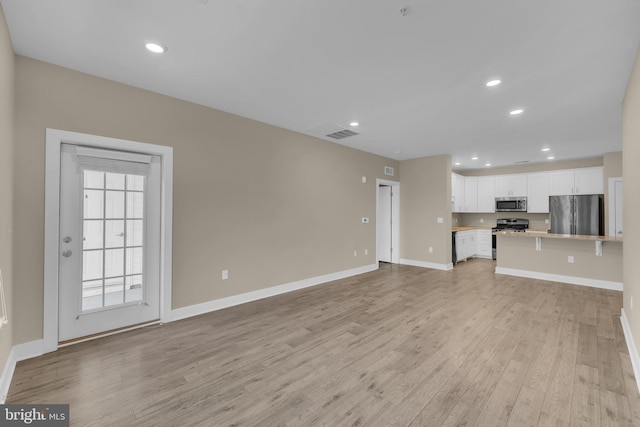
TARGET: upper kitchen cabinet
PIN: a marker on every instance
(457, 193)
(486, 194)
(576, 181)
(470, 194)
(511, 185)
(538, 192)
(589, 180)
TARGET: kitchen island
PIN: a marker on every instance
(581, 260)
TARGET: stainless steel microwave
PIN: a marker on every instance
(511, 204)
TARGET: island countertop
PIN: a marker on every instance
(559, 236)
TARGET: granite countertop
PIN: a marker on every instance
(472, 227)
(560, 236)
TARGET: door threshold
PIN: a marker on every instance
(106, 333)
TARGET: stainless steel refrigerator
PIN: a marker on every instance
(582, 215)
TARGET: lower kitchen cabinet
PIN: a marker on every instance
(465, 244)
(483, 244)
(473, 243)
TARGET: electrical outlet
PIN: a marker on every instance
(440, 220)
(430, 249)
(366, 251)
(355, 253)
(546, 221)
(225, 274)
(364, 179)
(570, 259)
(481, 220)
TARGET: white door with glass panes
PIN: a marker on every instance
(109, 262)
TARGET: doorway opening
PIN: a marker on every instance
(387, 221)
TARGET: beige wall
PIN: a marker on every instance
(270, 205)
(519, 252)
(631, 199)
(426, 195)
(6, 180)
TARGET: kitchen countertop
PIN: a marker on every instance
(472, 227)
(560, 236)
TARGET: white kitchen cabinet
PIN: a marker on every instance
(457, 193)
(483, 244)
(576, 181)
(538, 192)
(511, 185)
(486, 194)
(470, 194)
(561, 182)
(589, 180)
(465, 244)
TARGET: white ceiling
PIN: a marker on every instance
(415, 83)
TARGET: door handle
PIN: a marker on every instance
(67, 239)
(619, 232)
(66, 253)
(120, 235)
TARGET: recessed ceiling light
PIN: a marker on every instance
(354, 124)
(550, 158)
(516, 112)
(457, 163)
(494, 82)
(155, 47)
(487, 164)
(474, 158)
(546, 149)
(397, 151)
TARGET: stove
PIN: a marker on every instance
(511, 224)
(508, 224)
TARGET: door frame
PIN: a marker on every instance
(54, 139)
(395, 224)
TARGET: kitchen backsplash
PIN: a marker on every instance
(489, 219)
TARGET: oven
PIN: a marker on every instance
(507, 224)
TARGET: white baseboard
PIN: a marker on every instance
(426, 264)
(18, 352)
(583, 281)
(633, 350)
(206, 307)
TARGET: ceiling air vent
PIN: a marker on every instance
(521, 161)
(346, 133)
(331, 130)
(388, 170)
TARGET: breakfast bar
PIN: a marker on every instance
(581, 260)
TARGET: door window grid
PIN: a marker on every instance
(113, 239)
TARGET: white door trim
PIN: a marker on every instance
(395, 225)
(54, 138)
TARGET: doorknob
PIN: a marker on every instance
(619, 232)
(67, 239)
(67, 253)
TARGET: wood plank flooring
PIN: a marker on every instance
(401, 346)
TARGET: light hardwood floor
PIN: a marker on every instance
(399, 346)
